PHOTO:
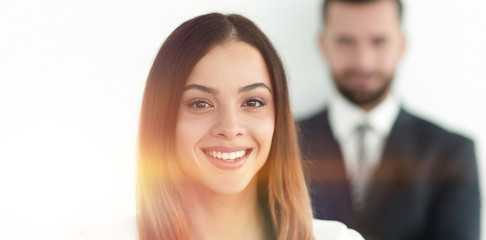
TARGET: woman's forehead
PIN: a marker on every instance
(233, 63)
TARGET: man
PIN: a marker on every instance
(373, 165)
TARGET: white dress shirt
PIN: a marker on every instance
(127, 230)
(344, 117)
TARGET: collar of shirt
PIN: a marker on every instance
(345, 116)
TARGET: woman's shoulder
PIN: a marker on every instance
(333, 230)
(124, 230)
(127, 230)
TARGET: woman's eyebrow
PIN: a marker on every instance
(214, 91)
(253, 86)
(201, 88)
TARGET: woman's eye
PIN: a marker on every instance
(254, 103)
(200, 105)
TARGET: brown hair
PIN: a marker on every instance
(325, 6)
(160, 197)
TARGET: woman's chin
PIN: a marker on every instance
(227, 187)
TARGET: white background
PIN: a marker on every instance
(72, 75)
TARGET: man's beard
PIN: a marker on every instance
(363, 97)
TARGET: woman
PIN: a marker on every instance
(218, 156)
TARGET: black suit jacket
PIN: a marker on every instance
(426, 186)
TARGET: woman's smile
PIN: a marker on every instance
(227, 158)
(227, 153)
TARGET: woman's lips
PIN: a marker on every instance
(231, 156)
(227, 158)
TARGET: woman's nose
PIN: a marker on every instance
(229, 124)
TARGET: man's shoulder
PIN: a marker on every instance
(313, 117)
(315, 123)
(429, 131)
(314, 129)
(324, 229)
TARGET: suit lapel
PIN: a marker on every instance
(391, 176)
(326, 170)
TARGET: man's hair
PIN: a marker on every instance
(325, 6)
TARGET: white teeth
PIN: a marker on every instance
(227, 156)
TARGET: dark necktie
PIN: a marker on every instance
(360, 181)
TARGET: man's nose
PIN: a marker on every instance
(364, 57)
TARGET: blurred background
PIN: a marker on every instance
(72, 75)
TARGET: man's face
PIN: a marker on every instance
(363, 44)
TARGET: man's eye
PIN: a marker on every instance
(254, 103)
(200, 105)
(379, 42)
(344, 41)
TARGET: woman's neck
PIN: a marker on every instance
(237, 216)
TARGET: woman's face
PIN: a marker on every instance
(226, 119)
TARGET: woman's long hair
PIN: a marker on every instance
(161, 201)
